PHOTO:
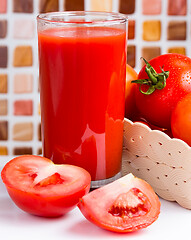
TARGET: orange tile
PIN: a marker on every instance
(3, 83)
(3, 150)
(39, 111)
(180, 50)
(23, 56)
(151, 30)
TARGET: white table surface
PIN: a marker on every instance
(174, 222)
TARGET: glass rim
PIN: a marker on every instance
(116, 18)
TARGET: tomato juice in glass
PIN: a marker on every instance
(82, 67)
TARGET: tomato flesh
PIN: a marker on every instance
(126, 205)
(40, 187)
(137, 205)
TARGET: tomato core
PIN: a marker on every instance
(51, 180)
(131, 204)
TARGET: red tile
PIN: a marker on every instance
(131, 29)
(151, 7)
(177, 7)
(23, 107)
(3, 6)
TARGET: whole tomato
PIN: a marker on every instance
(181, 120)
(130, 92)
(162, 83)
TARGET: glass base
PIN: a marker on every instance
(101, 183)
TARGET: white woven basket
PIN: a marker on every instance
(163, 162)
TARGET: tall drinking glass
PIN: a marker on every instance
(82, 67)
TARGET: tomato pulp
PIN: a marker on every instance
(82, 87)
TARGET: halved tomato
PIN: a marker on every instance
(40, 187)
(126, 205)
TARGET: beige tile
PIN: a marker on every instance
(176, 30)
(101, 5)
(150, 52)
(23, 31)
(3, 107)
(22, 150)
(23, 83)
(23, 131)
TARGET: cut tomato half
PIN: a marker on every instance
(126, 205)
(40, 187)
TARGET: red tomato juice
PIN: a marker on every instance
(82, 88)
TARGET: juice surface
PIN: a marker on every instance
(82, 86)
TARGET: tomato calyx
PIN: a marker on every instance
(131, 204)
(155, 80)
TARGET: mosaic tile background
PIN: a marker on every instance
(155, 27)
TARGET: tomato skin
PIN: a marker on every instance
(130, 92)
(157, 107)
(39, 201)
(181, 120)
(96, 206)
